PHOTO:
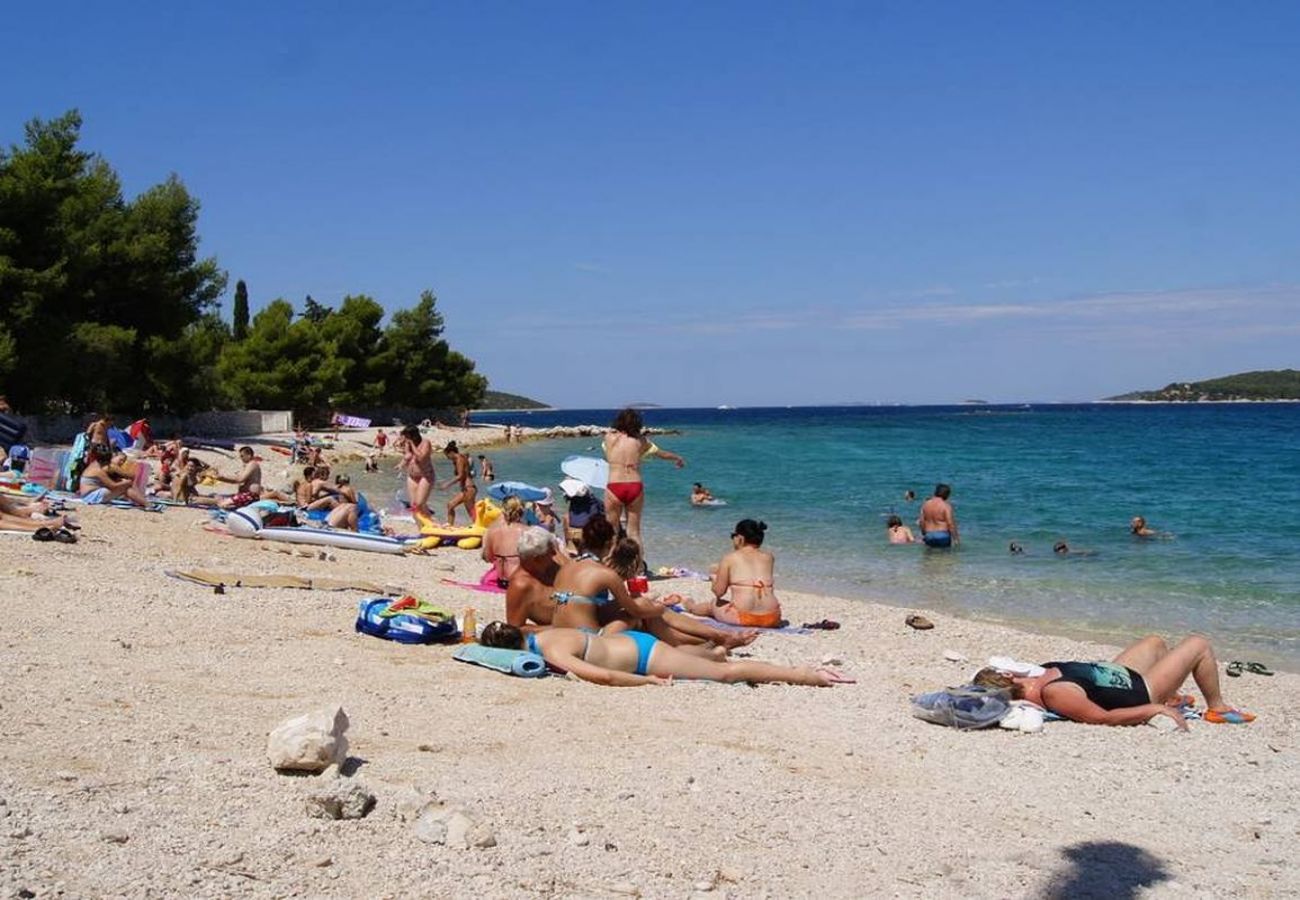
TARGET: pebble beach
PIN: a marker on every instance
(135, 710)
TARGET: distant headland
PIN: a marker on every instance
(500, 400)
(1275, 384)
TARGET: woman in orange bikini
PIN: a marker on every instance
(625, 447)
(747, 573)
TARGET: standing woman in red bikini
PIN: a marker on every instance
(625, 447)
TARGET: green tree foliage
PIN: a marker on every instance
(183, 373)
(424, 372)
(1271, 384)
(89, 280)
(241, 310)
(354, 335)
(282, 364)
(106, 304)
(342, 358)
(314, 311)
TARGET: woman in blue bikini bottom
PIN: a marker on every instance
(633, 658)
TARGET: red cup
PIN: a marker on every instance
(638, 585)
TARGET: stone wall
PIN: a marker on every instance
(229, 424)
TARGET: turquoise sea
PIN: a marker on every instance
(1223, 479)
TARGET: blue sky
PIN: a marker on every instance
(741, 203)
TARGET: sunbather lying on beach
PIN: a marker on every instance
(745, 572)
(622, 658)
(1135, 687)
(16, 515)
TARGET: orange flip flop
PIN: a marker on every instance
(1226, 715)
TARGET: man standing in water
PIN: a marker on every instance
(937, 521)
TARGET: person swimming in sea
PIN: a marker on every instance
(1061, 548)
(897, 532)
(1138, 528)
(700, 495)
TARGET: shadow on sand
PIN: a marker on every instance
(1105, 869)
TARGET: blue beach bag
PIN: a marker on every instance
(402, 628)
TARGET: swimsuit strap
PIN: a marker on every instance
(563, 597)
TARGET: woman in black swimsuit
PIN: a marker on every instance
(1138, 685)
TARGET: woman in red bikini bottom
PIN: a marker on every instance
(625, 447)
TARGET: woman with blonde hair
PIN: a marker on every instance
(501, 543)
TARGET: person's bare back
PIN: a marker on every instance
(623, 453)
(937, 521)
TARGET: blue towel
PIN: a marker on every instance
(512, 662)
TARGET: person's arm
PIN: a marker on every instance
(644, 607)
(487, 554)
(229, 479)
(952, 525)
(661, 453)
(722, 577)
(517, 605)
(1071, 702)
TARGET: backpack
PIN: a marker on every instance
(967, 707)
(405, 629)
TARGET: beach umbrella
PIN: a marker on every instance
(502, 489)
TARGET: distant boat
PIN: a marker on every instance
(724, 406)
(974, 403)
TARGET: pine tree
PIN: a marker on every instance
(241, 310)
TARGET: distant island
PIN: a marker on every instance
(502, 400)
(1277, 384)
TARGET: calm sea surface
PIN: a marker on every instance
(1223, 479)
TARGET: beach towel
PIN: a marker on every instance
(727, 626)
(213, 578)
(512, 662)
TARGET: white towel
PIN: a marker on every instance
(1015, 667)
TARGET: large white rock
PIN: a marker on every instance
(311, 742)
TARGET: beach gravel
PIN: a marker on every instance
(157, 696)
